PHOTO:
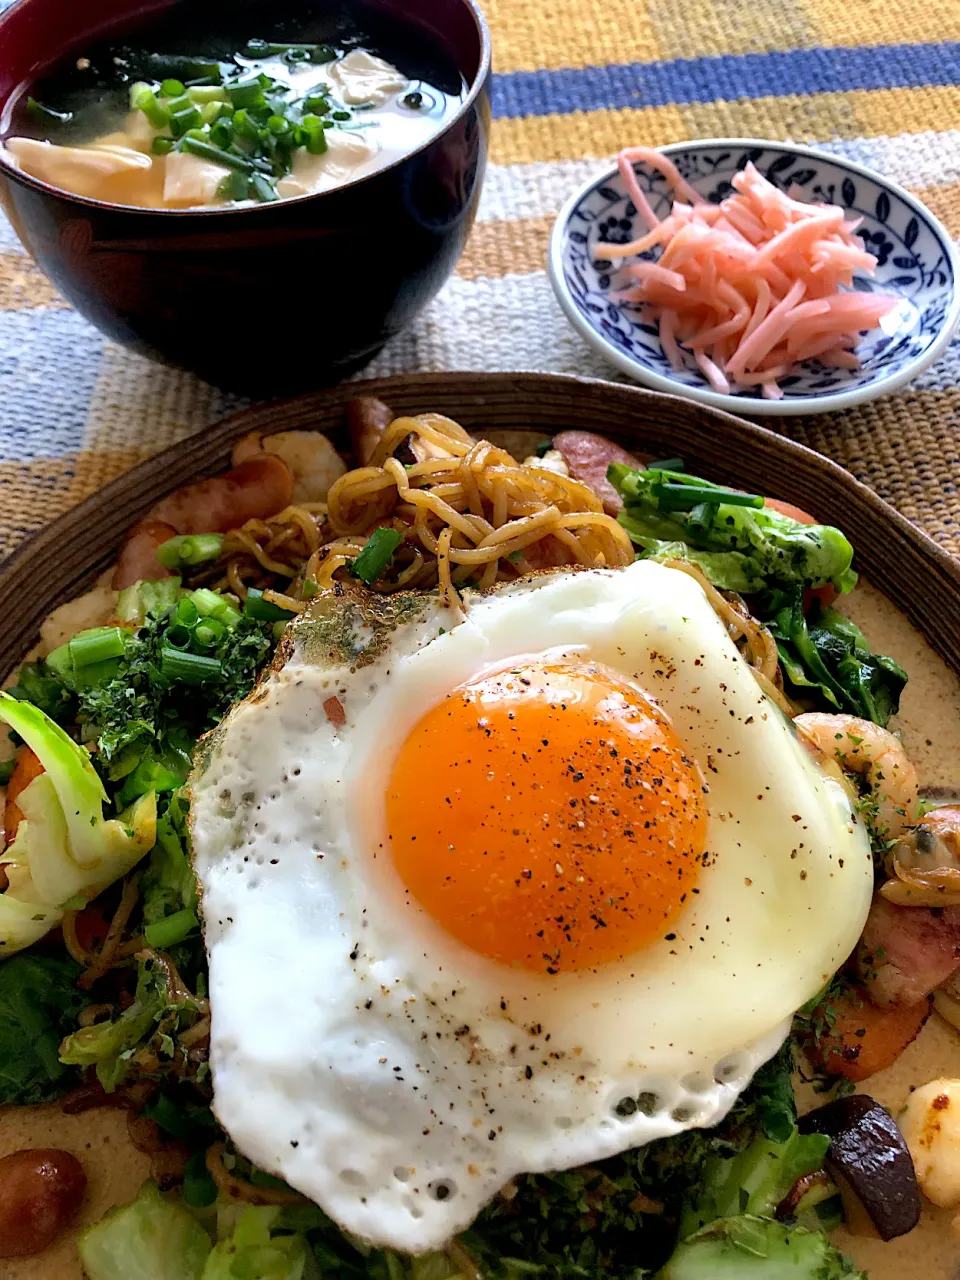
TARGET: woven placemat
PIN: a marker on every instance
(576, 79)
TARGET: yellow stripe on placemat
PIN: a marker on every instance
(550, 34)
(506, 248)
(24, 287)
(862, 113)
(880, 22)
(583, 133)
(569, 33)
(704, 28)
(800, 118)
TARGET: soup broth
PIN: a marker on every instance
(190, 117)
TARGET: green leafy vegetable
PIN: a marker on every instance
(65, 846)
(137, 603)
(169, 885)
(37, 684)
(761, 547)
(161, 771)
(107, 1046)
(188, 1121)
(152, 1021)
(252, 1251)
(39, 1004)
(199, 1189)
(827, 659)
(155, 1238)
(755, 1180)
(751, 1248)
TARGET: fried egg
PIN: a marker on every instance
(506, 891)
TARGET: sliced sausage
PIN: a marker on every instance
(256, 489)
(367, 418)
(588, 455)
(138, 558)
(40, 1194)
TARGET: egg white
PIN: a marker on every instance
(396, 1077)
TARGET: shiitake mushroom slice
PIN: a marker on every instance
(868, 1160)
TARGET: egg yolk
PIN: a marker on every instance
(547, 817)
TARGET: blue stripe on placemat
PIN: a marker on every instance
(49, 362)
(726, 77)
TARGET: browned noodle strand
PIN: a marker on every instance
(269, 552)
(103, 960)
(71, 941)
(237, 1189)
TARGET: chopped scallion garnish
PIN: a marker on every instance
(189, 548)
(188, 668)
(98, 644)
(265, 610)
(170, 930)
(683, 497)
(242, 119)
(47, 115)
(246, 93)
(376, 555)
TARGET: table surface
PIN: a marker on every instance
(576, 80)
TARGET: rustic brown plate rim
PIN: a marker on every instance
(919, 576)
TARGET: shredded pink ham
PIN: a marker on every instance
(751, 286)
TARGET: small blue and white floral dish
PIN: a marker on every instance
(916, 260)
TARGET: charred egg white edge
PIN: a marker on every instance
(339, 1051)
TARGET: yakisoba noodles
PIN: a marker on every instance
(467, 511)
(263, 550)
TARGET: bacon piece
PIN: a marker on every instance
(138, 558)
(588, 455)
(907, 952)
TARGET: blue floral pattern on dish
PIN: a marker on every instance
(912, 261)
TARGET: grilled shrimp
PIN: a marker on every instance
(313, 461)
(863, 748)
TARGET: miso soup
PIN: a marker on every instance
(226, 104)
